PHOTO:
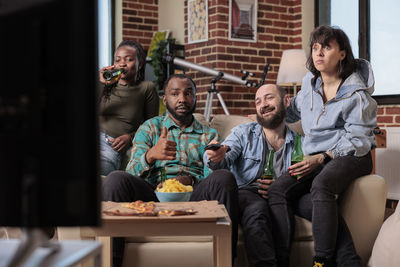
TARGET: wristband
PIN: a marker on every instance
(326, 157)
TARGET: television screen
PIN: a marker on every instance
(48, 113)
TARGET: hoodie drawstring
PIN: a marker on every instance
(311, 93)
(359, 95)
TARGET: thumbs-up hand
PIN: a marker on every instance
(164, 149)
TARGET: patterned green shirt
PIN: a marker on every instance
(190, 145)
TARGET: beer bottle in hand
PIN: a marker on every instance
(268, 172)
(113, 74)
(297, 153)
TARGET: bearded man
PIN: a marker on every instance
(175, 143)
(250, 145)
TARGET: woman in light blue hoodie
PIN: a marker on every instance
(338, 115)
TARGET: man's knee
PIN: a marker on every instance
(224, 179)
(115, 180)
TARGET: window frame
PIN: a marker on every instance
(364, 41)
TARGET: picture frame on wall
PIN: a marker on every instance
(243, 20)
(197, 21)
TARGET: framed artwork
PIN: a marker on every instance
(243, 20)
(197, 21)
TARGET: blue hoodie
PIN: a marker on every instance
(344, 125)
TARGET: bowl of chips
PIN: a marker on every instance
(174, 191)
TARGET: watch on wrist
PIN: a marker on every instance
(326, 157)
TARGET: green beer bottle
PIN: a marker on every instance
(163, 175)
(297, 153)
(110, 75)
(268, 172)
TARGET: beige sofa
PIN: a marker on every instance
(362, 205)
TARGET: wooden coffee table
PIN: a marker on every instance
(210, 219)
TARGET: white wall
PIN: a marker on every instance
(171, 16)
(118, 22)
(307, 14)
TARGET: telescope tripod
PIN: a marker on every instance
(210, 96)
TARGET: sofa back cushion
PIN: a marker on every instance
(224, 123)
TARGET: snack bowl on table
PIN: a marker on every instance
(173, 196)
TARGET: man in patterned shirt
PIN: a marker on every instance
(176, 143)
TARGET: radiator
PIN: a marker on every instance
(388, 161)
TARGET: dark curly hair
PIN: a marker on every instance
(325, 34)
(141, 65)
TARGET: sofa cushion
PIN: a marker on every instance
(386, 248)
(224, 123)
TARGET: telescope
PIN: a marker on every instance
(226, 76)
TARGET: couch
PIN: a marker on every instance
(362, 206)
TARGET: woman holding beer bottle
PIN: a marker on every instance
(338, 115)
(126, 100)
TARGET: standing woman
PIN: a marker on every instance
(125, 103)
(338, 115)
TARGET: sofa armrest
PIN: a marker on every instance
(363, 208)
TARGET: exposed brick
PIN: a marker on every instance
(281, 38)
(224, 57)
(262, 7)
(150, 21)
(129, 12)
(145, 27)
(393, 110)
(249, 52)
(385, 119)
(148, 7)
(233, 65)
(265, 53)
(279, 9)
(381, 111)
(135, 19)
(397, 119)
(272, 46)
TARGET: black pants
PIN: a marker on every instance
(220, 185)
(256, 224)
(324, 185)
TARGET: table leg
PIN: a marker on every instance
(223, 249)
(106, 250)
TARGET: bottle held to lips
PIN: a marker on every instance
(113, 74)
(268, 172)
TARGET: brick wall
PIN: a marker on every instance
(389, 116)
(278, 28)
(140, 20)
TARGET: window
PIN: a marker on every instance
(374, 33)
(105, 32)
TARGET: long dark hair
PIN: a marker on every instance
(140, 66)
(323, 35)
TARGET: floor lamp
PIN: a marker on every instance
(292, 68)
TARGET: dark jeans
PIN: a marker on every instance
(220, 185)
(324, 185)
(256, 224)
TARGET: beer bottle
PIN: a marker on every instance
(268, 172)
(297, 153)
(113, 74)
(163, 175)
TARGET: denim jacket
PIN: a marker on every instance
(248, 152)
(342, 125)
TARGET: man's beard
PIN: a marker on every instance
(275, 120)
(182, 118)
